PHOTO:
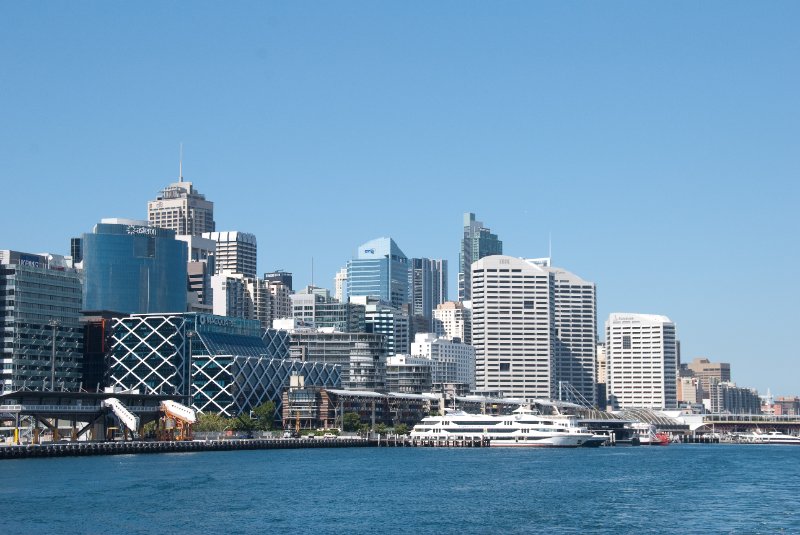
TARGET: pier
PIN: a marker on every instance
(415, 442)
(74, 449)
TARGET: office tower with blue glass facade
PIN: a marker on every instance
(133, 268)
(380, 270)
(476, 243)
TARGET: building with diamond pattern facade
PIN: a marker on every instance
(216, 364)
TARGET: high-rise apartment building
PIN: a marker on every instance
(361, 356)
(513, 326)
(451, 361)
(131, 267)
(340, 285)
(576, 333)
(42, 338)
(380, 270)
(427, 287)
(477, 242)
(642, 361)
(254, 299)
(408, 375)
(324, 312)
(236, 252)
(453, 320)
(183, 209)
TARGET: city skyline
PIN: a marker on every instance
(657, 150)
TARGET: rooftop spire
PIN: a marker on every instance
(180, 166)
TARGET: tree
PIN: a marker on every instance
(211, 422)
(401, 429)
(243, 422)
(264, 416)
(381, 429)
(351, 421)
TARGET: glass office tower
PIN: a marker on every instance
(380, 269)
(133, 268)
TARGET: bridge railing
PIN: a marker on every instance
(754, 418)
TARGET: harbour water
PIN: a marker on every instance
(679, 488)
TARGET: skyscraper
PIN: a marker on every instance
(427, 287)
(236, 252)
(513, 326)
(642, 361)
(477, 242)
(576, 333)
(183, 209)
(133, 268)
(380, 270)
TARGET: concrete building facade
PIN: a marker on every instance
(513, 327)
(642, 361)
(451, 361)
(182, 209)
(42, 338)
(236, 252)
(453, 320)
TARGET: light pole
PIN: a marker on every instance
(190, 335)
(54, 323)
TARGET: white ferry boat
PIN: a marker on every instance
(773, 437)
(523, 428)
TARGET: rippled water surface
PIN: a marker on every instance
(676, 489)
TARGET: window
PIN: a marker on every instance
(626, 342)
(505, 366)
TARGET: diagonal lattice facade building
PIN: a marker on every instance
(215, 363)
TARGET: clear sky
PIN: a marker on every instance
(659, 143)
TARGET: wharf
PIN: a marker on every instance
(73, 449)
(415, 442)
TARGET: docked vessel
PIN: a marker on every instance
(523, 428)
(647, 436)
(773, 437)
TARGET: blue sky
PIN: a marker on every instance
(657, 142)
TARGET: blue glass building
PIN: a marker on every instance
(380, 269)
(133, 268)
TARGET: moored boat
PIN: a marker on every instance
(523, 428)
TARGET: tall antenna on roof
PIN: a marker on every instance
(180, 166)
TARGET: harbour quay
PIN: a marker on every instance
(74, 449)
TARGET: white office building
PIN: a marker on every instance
(451, 361)
(513, 326)
(576, 333)
(641, 361)
(236, 252)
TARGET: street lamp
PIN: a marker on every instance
(190, 335)
(54, 323)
